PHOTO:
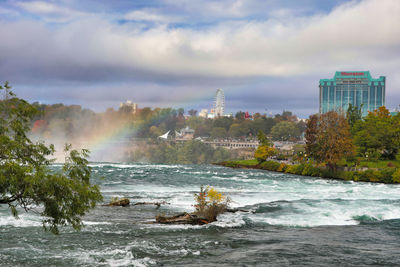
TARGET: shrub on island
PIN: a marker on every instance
(209, 204)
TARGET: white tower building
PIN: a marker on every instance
(219, 103)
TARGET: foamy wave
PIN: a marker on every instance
(135, 165)
(114, 257)
(24, 220)
(130, 260)
(229, 220)
(94, 223)
(327, 212)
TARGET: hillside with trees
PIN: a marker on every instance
(59, 123)
(341, 146)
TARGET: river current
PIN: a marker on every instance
(294, 220)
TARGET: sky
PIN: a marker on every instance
(267, 56)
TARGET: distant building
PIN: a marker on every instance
(184, 134)
(228, 115)
(129, 107)
(203, 113)
(233, 144)
(351, 87)
(219, 103)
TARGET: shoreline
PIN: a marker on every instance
(387, 175)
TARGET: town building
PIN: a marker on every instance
(184, 134)
(233, 144)
(129, 107)
(203, 113)
(357, 88)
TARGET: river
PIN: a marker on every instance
(294, 221)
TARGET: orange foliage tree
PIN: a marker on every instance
(328, 139)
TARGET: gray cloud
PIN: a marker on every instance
(275, 61)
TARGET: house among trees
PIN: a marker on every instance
(184, 134)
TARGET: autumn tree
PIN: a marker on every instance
(265, 149)
(311, 135)
(328, 139)
(26, 179)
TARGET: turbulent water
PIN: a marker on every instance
(293, 221)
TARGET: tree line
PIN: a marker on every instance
(74, 122)
(333, 137)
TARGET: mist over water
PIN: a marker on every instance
(294, 220)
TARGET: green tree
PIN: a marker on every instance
(237, 130)
(264, 124)
(224, 122)
(155, 132)
(378, 134)
(192, 112)
(194, 122)
(202, 131)
(262, 139)
(284, 131)
(353, 115)
(26, 180)
(301, 126)
(219, 132)
(240, 115)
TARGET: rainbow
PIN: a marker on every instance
(104, 142)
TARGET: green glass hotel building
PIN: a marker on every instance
(351, 87)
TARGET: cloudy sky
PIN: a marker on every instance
(267, 55)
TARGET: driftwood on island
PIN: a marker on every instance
(189, 218)
(123, 202)
(183, 218)
(158, 204)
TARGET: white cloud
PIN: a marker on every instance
(361, 35)
(50, 12)
(8, 12)
(150, 15)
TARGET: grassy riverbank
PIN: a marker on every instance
(388, 175)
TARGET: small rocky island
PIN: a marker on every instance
(209, 204)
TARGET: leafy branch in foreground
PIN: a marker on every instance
(26, 179)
